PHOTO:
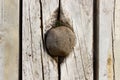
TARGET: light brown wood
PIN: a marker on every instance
(37, 64)
(79, 64)
(106, 28)
(9, 39)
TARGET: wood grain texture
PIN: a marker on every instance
(37, 64)
(79, 15)
(117, 40)
(1, 43)
(50, 65)
(32, 42)
(9, 39)
(106, 28)
(40, 15)
(2, 51)
(1, 11)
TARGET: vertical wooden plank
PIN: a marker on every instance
(9, 39)
(1, 55)
(117, 40)
(31, 41)
(1, 42)
(106, 25)
(37, 64)
(49, 16)
(79, 64)
(1, 11)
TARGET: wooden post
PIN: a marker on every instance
(9, 39)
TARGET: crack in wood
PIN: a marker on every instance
(59, 10)
(31, 30)
(59, 69)
(112, 30)
(20, 41)
(31, 55)
(42, 66)
(96, 39)
(41, 27)
(59, 63)
(42, 36)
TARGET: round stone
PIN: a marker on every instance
(60, 41)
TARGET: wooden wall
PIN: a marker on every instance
(83, 17)
(38, 16)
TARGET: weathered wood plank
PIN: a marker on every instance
(9, 39)
(2, 46)
(32, 42)
(49, 15)
(106, 25)
(37, 64)
(1, 11)
(117, 40)
(79, 64)
(1, 43)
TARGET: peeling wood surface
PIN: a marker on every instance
(106, 28)
(79, 64)
(37, 64)
(9, 39)
(117, 40)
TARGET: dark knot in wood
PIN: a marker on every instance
(60, 41)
